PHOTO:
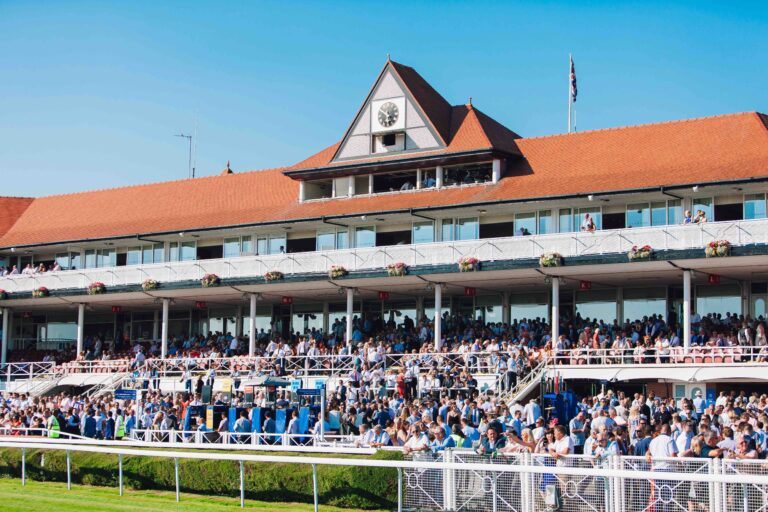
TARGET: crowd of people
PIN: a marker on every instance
(30, 269)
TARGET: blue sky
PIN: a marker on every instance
(91, 93)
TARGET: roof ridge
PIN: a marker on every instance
(141, 185)
(643, 125)
(17, 197)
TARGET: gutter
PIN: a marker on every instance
(414, 214)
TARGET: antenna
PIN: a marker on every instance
(194, 152)
(189, 164)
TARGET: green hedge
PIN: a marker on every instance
(342, 486)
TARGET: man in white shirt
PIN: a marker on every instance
(562, 447)
(662, 447)
(417, 442)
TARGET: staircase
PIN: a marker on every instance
(526, 385)
(109, 384)
(39, 386)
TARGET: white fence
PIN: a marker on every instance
(459, 480)
(377, 258)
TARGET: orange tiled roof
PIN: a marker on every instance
(11, 209)
(721, 148)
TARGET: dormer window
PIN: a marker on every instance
(388, 142)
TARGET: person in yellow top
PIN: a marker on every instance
(52, 424)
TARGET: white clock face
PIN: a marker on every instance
(388, 114)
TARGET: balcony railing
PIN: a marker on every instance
(674, 237)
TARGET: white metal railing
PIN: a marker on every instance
(741, 232)
(199, 437)
(24, 371)
(525, 482)
(671, 355)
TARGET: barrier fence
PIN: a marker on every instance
(461, 480)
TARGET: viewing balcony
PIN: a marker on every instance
(374, 259)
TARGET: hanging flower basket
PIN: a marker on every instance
(3, 295)
(551, 259)
(718, 249)
(210, 280)
(469, 264)
(337, 271)
(96, 288)
(274, 275)
(397, 269)
(149, 285)
(39, 293)
(640, 253)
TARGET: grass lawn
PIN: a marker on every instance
(54, 496)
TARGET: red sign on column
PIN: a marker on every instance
(200, 305)
(383, 295)
(713, 279)
(287, 300)
(469, 291)
(117, 309)
(585, 285)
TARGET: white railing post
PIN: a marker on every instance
(176, 475)
(120, 474)
(69, 471)
(242, 484)
(23, 467)
(314, 486)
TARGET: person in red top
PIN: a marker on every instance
(401, 383)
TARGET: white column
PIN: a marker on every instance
(687, 311)
(239, 322)
(301, 191)
(370, 183)
(438, 315)
(80, 327)
(164, 331)
(418, 179)
(6, 337)
(555, 316)
(438, 177)
(496, 170)
(326, 315)
(350, 310)
(252, 327)
(505, 312)
(351, 186)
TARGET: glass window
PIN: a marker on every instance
(597, 305)
(173, 251)
(718, 299)
(674, 211)
(705, 204)
(341, 187)
(525, 223)
(638, 215)
(90, 259)
(528, 306)
(147, 254)
(593, 212)
(74, 260)
(188, 251)
(63, 260)
(106, 258)
(133, 256)
(641, 302)
(447, 230)
(326, 241)
(659, 213)
(545, 222)
(231, 247)
(342, 240)
(754, 206)
(566, 221)
(276, 244)
(262, 246)
(423, 232)
(365, 236)
(246, 245)
(467, 229)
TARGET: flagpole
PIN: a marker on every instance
(570, 95)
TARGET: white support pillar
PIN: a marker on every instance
(326, 317)
(370, 184)
(496, 170)
(239, 322)
(164, 330)
(350, 310)
(80, 327)
(351, 186)
(555, 316)
(687, 311)
(439, 177)
(6, 334)
(505, 312)
(418, 179)
(252, 327)
(302, 192)
(438, 315)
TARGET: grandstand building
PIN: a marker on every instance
(418, 181)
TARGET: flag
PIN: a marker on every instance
(574, 90)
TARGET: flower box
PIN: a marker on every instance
(397, 269)
(96, 288)
(718, 249)
(469, 264)
(273, 276)
(210, 280)
(39, 293)
(3, 295)
(337, 271)
(640, 253)
(550, 259)
(149, 285)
